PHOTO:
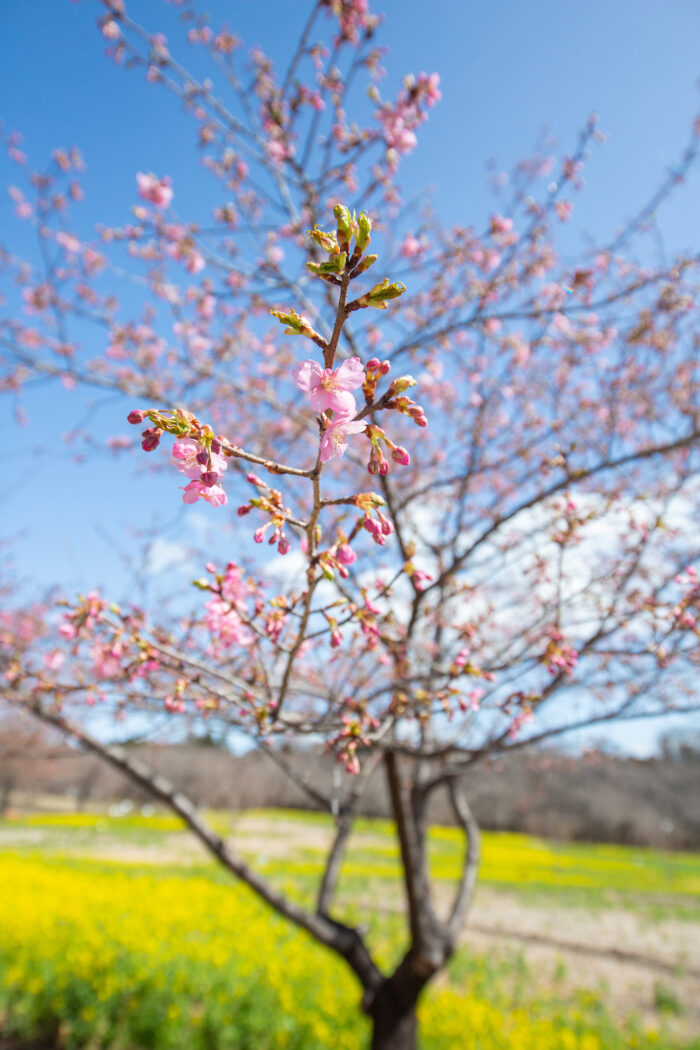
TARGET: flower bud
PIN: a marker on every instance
(400, 455)
(151, 439)
(203, 457)
(137, 415)
(209, 478)
(345, 554)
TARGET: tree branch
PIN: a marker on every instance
(465, 891)
(346, 941)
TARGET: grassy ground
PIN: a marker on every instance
(115, 931)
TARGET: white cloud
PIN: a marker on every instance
(168, 554)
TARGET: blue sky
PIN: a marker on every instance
(509, 70)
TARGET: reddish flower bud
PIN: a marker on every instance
(137, 415)
(400, 455)
(151, 439)
(209, 478)
(203, 457)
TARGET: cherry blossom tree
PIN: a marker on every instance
(506, 559)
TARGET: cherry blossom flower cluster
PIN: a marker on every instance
(559, 656)
(337, 558)
(373, 521)
(330, 389)
(115, 645)
(154, 190)
(357, 723)
(354, 17)
(269, 501)
(400, 120)
(226, 614)
(197, 451)
(378, 464)
(686, 612)
(204, 467)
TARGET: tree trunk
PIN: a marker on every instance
(6, 796)
(394, 1021)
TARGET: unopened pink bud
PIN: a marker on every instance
(243, 510)
(151, 439)
(209, 478)
(387, 526)
(377, 464)
(373, 364)
(283, 545)
(400, 455)
(137, 415)
(203, 457)
(345, 554)
(216, 447)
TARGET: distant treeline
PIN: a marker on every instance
(597, 798)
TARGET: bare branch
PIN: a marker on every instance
(344, 940)
(465, 891)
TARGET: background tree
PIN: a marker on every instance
(520, 566)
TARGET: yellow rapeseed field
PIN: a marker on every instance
(118, 956)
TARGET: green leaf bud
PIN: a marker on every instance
(345, 226)
(364, 229)
(364, 264)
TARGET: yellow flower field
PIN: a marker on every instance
(98, 955)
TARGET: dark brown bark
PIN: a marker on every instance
(6, 788)
(394, 1021)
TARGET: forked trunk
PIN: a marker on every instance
(394, 1021)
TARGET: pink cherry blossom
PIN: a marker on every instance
(187, 451)
(107, 659)
(156, 191)
(334, 439)
(329, 388)
(225, 624)
(54, 660)
(411, 246)
(213, 494)
(194, 262)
